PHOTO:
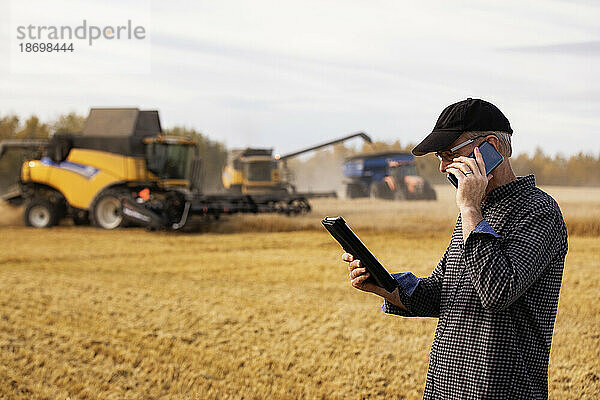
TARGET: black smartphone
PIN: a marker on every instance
(491, 158)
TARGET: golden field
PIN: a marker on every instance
(251, 308)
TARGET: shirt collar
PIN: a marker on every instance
(512, 188)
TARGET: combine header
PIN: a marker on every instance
(121, 169)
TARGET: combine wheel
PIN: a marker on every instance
(305, 206)
(280, 208)
(106, 212)
(299, 206)
(40, 213)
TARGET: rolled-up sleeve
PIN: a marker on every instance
(484, 227)
(421, 296)
(502, 268)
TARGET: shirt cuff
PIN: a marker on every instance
(407, 283)
(484, 227)
(390, 308)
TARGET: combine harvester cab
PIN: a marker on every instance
(389, 175)
(252, 171)
(120, 170)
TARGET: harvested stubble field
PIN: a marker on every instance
(90, 314)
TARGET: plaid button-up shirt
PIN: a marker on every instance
(496, 297)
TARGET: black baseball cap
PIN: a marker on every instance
(464, 116)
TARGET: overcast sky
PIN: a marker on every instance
(291, 74)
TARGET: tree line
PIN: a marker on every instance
(579, 169)
(321, 170)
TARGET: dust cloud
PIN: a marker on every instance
(9, 215)
(321, 173)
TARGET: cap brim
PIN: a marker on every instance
(436, 141)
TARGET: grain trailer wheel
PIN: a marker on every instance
(399, 194)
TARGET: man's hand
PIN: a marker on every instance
(358, 278)
(358, 275)
(472, 181)
(472, 185)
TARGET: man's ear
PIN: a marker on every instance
(494, 142)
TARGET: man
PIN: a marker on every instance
(495, 290)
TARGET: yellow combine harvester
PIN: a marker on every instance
(120, 169)
(252, 171)
(258, 173)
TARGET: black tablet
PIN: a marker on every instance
(341, 232)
